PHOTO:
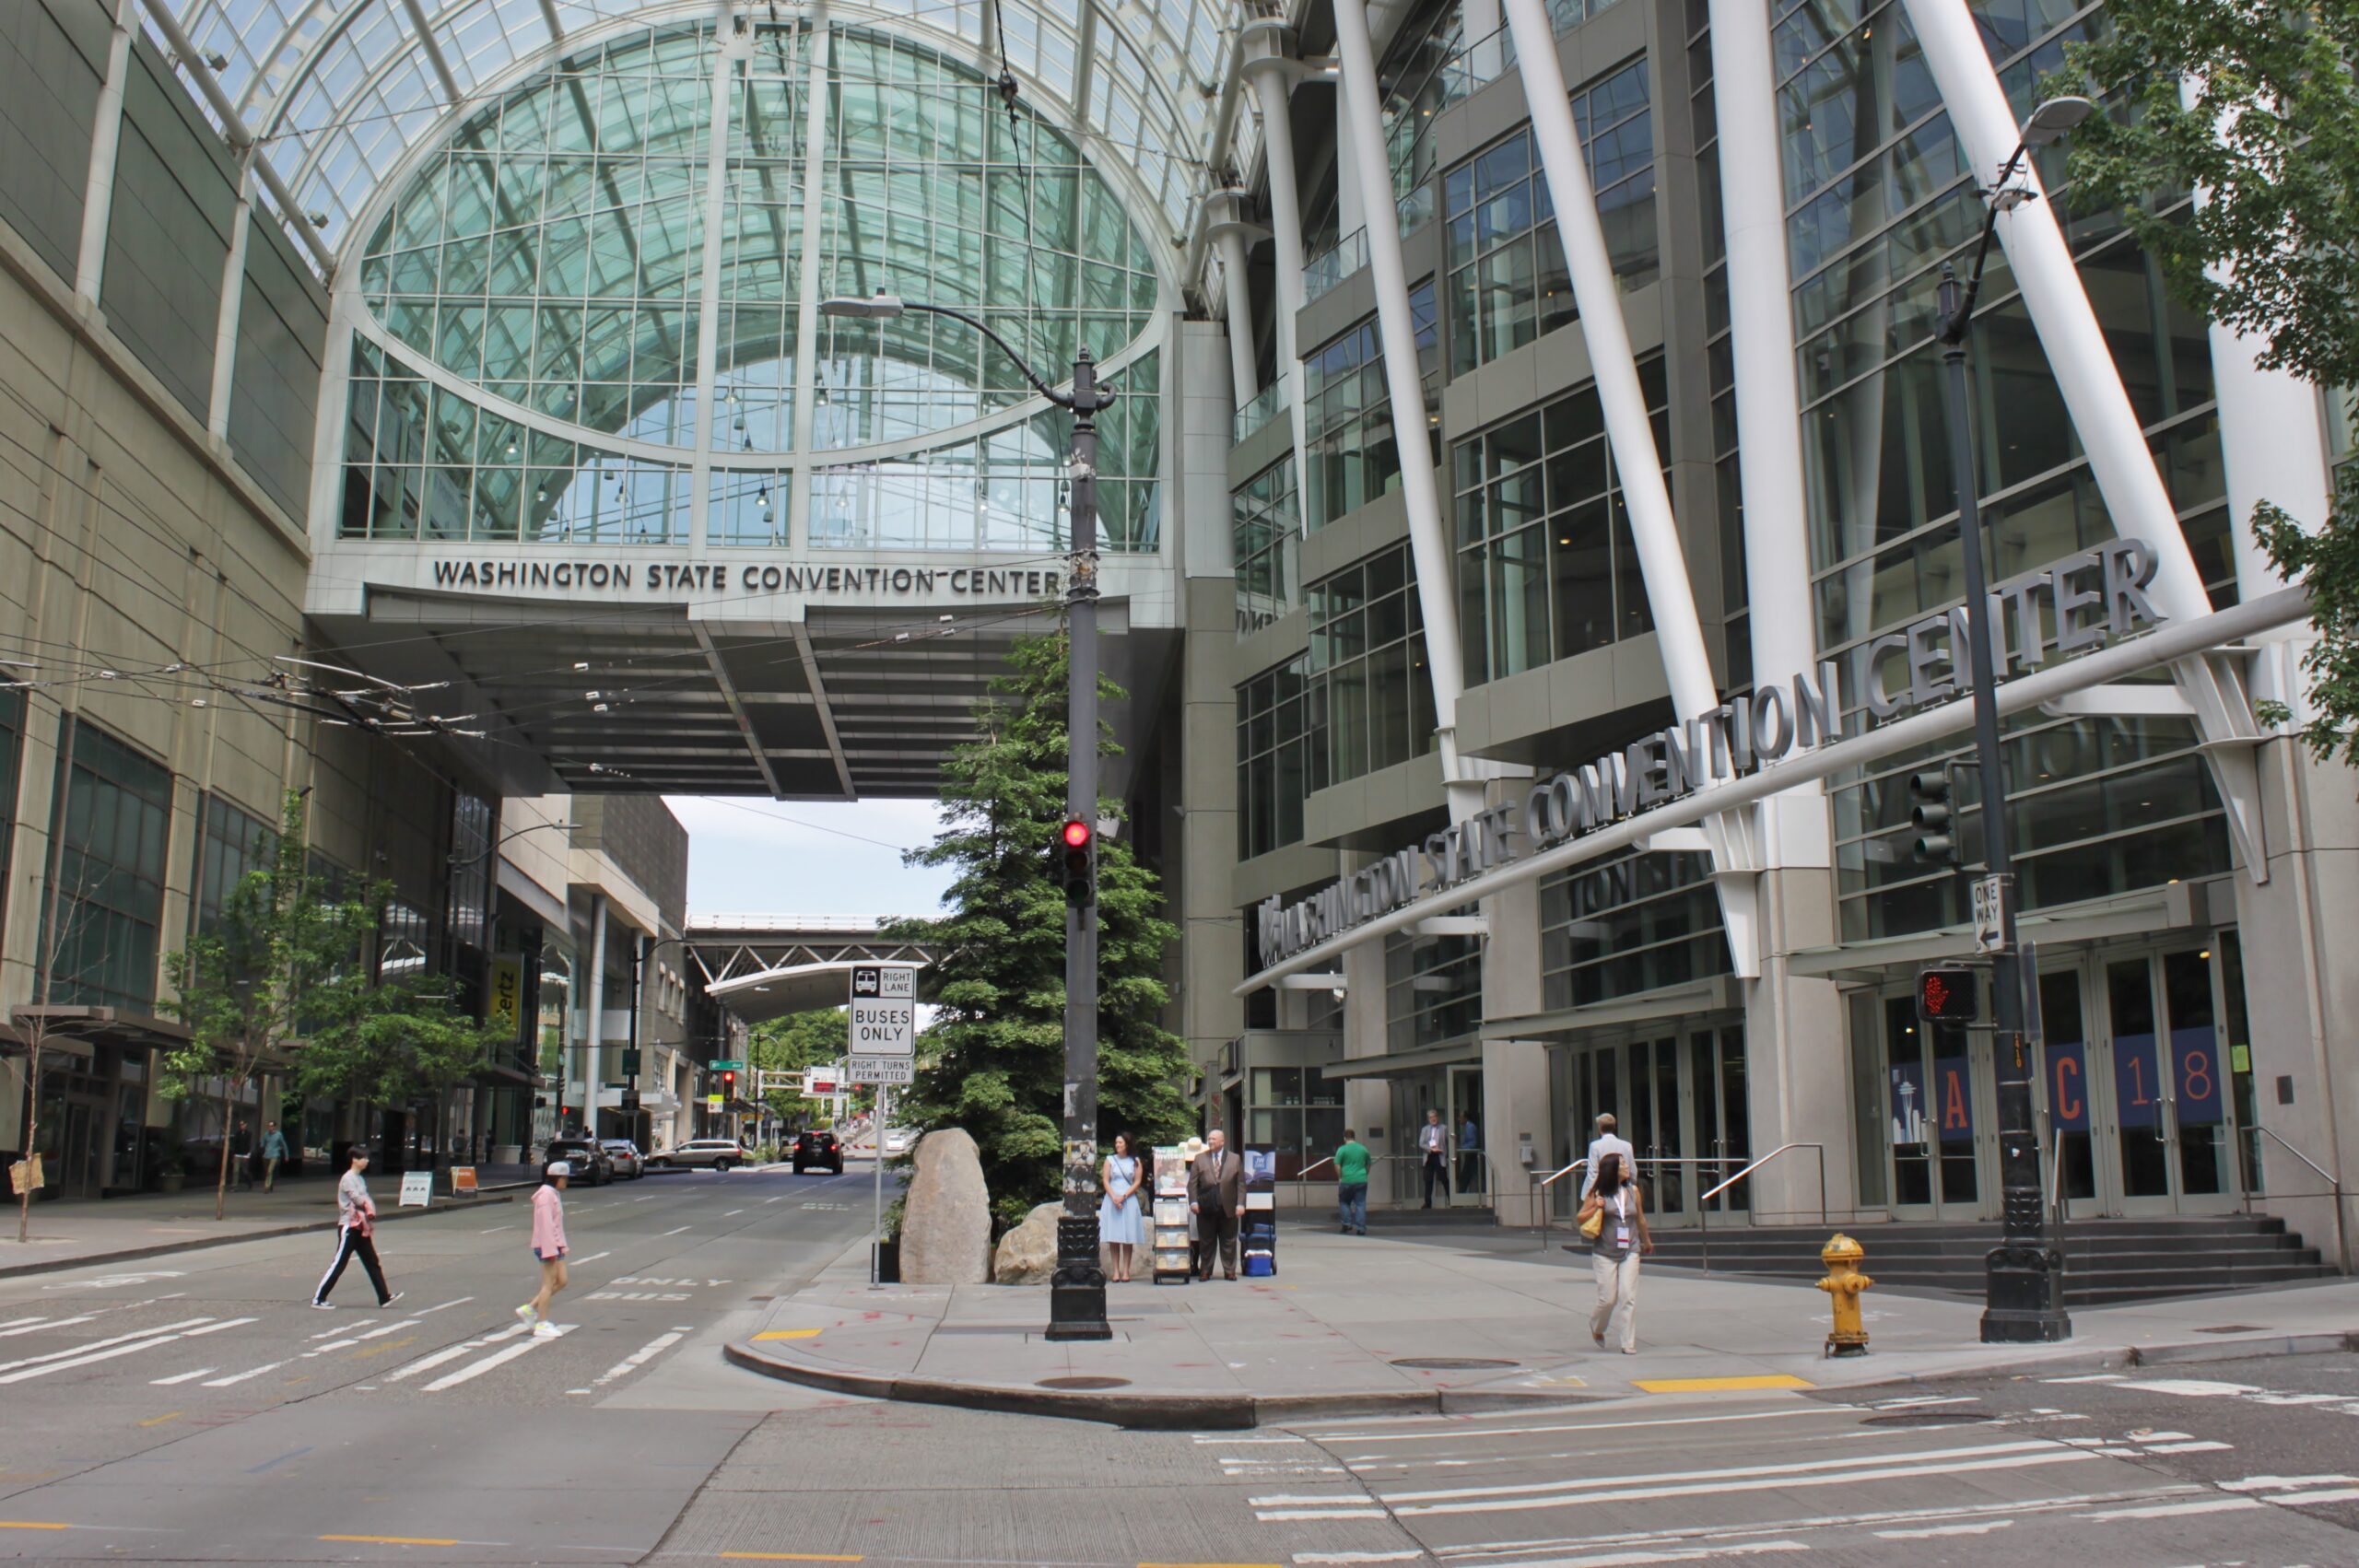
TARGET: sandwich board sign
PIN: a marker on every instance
(883, 1025)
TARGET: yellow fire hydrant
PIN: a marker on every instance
(1842, 1284)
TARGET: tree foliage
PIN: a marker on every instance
(793, 1044)
(993, 1061)
(283, 974)
(2253, 105)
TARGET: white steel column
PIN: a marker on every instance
(233, 301)
(2060, 308)
(595, 1020)
(1231, 241)
(716, 190)
(2100, 408)
(797, 500)
(1267, 62)
(1761, 336)
(1428, 545)
(106, 139)
(1630, 436)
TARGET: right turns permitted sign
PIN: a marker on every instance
(884, 1022)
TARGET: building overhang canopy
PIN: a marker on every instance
(780, 993)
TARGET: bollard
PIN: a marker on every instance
(1842, 1284)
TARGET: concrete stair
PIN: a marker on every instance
(2106, 1261)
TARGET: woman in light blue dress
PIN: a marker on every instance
(1119, 1220)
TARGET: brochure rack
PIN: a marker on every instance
(1170, 1217)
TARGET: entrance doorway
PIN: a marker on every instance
(1470, 1185)
(1938, 1099)
(2135, 1086)
(1680, 1097)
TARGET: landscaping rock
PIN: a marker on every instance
(946, 1219)
(1027, 1254)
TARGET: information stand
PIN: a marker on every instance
(1170, 1217)
(1259, 1235)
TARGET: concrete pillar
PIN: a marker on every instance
(594, 1012)
(1517, 1109)
(1367, 1102)
(106, 140)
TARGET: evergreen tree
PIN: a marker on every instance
(993, 1061)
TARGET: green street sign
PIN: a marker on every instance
(726, 1066)
(630, 1061)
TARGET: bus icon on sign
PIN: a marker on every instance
(867, 980)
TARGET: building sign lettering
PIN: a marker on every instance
(686, 580)
(2089, 597)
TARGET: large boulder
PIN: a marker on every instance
(947, 1217)
(1027, 1254)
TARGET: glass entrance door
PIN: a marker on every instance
(1470, 1178)
(1935, 1100)
(2133, 1087)
(1723, 1117)
(1656, 1124)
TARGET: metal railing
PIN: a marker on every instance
(2334, 1190)
(1264, 407)
(1304, 1175)
(1542, 1184)
(1704, 1201)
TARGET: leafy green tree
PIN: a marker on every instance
(793, 1044)
(994, 1061)
(2253, 104)
(280, 948)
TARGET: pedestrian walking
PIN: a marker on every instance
(1470, 1156)
(1618, 1240)
(1433, 1139)
(1217, 1199)
(274, 1153)
(1607, 1143)
(548, 1245)
(355, 1234)
(241, 1156)
(1119, 1222)
(1351, 1184)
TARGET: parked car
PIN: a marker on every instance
(623, 1156)
(717, 1153)
(818, 1147)
(592, 1166)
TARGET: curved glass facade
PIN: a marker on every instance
(611, 258)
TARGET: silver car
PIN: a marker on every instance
(716, 1153)
(626, 1156)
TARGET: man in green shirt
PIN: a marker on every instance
(1351, 1184)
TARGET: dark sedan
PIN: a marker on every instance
(592, 1166)
(819, 1148)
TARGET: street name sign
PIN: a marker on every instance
(884, 1024)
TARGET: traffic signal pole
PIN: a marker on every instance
(1077, 1290)
(2023, 1275)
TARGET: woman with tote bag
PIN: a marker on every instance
(1614, 1219)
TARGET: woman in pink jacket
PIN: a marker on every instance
(548, 1245)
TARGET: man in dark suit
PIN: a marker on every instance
(1216, 1197)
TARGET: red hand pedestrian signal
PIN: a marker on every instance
(1948, 993)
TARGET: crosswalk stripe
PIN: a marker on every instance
(101, 1344)
(68, 1365)
(180, 1377)
(43, 1325)
(237, 1377)
(15, 1323)
(461, 1301)
(641, 1356)
(389, 1328)
(429, 1362)
(344, 1328)
(498, 1358)
(216, 1328)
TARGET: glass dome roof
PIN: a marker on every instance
(337, 91)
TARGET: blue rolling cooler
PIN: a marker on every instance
(1258, 1237)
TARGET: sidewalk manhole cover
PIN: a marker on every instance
(1084, 1384)
(1450, 1363)
(1930, 1418)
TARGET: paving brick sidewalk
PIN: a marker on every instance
(125, 1230)
(1345, 1324)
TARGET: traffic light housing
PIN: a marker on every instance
(728, 1085)
(1948, 993)
(1077, 861)
(1935, 815)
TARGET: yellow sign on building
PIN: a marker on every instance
(506, 1009)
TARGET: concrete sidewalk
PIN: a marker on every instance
(1367, 1324)
(124, 1230)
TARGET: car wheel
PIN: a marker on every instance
(721, 1166)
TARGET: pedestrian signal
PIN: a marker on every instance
(1078, 858)
(1948, 993)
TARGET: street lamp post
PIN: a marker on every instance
(2023, 1275)
(1078, 1291)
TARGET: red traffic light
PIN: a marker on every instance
(1077, 835)
(728, 1082)
(1948, 993)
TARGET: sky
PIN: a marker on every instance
(762, 857)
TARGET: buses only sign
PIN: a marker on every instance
(884, 1022)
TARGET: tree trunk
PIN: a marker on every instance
(221, 1182)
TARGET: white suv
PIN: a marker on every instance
(719, 1153)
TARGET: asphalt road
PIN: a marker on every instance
(193, 1410)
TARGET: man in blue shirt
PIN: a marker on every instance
(274, 1149)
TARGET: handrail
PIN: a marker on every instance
(1304, 1175)
(1703, 1202)
(2056, 1188)
(2342, 1240)
(1541, 1185)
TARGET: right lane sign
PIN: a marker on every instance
(884, 1022)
